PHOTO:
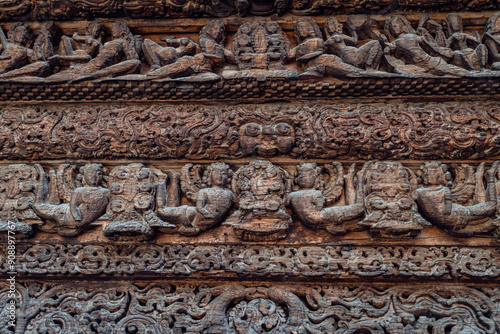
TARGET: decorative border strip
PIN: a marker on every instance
(363, 131)
(153, 260)
(270, 89)
(163, 308)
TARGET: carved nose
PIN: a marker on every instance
(267, 130)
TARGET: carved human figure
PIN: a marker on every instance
(436, 203)
(171, 61)
(117, 57)
(468, 51)
(309, 202)
(86, 202)
(491, 39)
(310, 53)
(18, 60)
(211, 41)
(390, 208)
(367, 56)
(407, 55)
(80, 48)
(212, 203)
(261, 190)
(132, 202)
(18, 185)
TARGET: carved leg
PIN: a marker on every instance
(482, 55)
(38, 69)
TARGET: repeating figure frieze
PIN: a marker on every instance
(66, 9)
(313, 262)
(305, 131)
(164, 308)
(258, 200)
(259, 51)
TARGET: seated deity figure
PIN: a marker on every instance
(367, 56)
(436, 203)
(16, 59)
(117, 57)
(309, 202)
(491, 39)
(407, 53)
(212, 203)
(310, 53)
(468, 51)
(86, 204)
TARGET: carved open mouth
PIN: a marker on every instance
(267, 152)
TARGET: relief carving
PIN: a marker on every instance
(132, 203)
(259, 51)
(146, 9)
(306, 131)
(162, 308)
(384, 197)
(86, 199)
(18, 186)
(390, 207)
(438, 203)
(266, 140)
(309, 202)
(245, 261)
(260, 189)
(213, 199)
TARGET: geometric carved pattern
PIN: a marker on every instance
(304, 131)
(157, 260)
(228, 309)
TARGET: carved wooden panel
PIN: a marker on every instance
(178, 308)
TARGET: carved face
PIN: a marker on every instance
(94, 30)
(306, 179)
(219, 177)
(305, 30)
(453, 23)
(20, 35)
(120, 30)
(267, 140)
(92, 175)
(333, 26)
(434, 174)
(215, 30)
(398, 25)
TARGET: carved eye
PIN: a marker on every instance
(405, 204)
(252, 129)
(283, 129)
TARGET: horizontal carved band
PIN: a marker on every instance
(235, 309)
(318, 262)
(66, 9)
(435, 58)
(255, 200)
(304, 131)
